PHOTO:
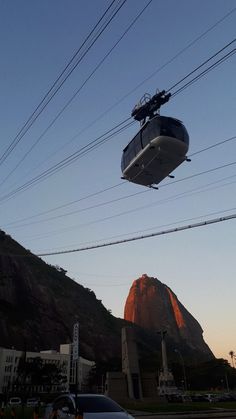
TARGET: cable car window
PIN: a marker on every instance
(123, 162)
(130, 154)
(137, 143)
(173, 128)
(125, 157)
(151, 131)
(131, 150)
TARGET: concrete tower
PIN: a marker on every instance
(130, 364)
(166, 379)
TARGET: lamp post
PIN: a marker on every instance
(183, 365)
(103, 387)
(226, 382)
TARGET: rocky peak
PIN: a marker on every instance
(154, 306)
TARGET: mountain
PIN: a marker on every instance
(153, 305)
(39, 304)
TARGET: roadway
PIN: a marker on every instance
(223, 414)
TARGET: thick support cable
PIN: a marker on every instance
(146, 236)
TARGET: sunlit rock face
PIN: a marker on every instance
(153, 305)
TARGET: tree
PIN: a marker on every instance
(213, 374)
(232, 354)
(32, 372)
(52, 375)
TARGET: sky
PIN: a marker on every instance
(166, 42)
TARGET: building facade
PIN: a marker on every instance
(9, 366)
(83, 367)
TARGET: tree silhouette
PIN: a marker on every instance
(232, 355)
(36, 372)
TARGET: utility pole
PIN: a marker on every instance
(75, 359)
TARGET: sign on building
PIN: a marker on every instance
(76, 342)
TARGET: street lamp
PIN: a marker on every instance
(183, 365)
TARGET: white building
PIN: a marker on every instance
(9, 362)
(84, 366)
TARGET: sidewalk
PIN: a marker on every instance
(216, 413)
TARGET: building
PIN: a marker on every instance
(10, 359)
(9, 363)
(84, 366)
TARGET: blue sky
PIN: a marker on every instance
(37, 39)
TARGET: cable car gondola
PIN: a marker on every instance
(159, 146)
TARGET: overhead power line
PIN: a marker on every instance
(71, 158)
(200, 189)
(139, 231)
(132, 239)
(92, 145)
(206, 71)
(201, 65)
(210, 147)
(147, 206)
(146, 236)
(168, 62)
(204, 172)
(101, 204)
(189, 45)
(101, 191)
(97, 142)
(77, 91)
(60, 80)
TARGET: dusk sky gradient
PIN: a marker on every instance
(37, 40)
